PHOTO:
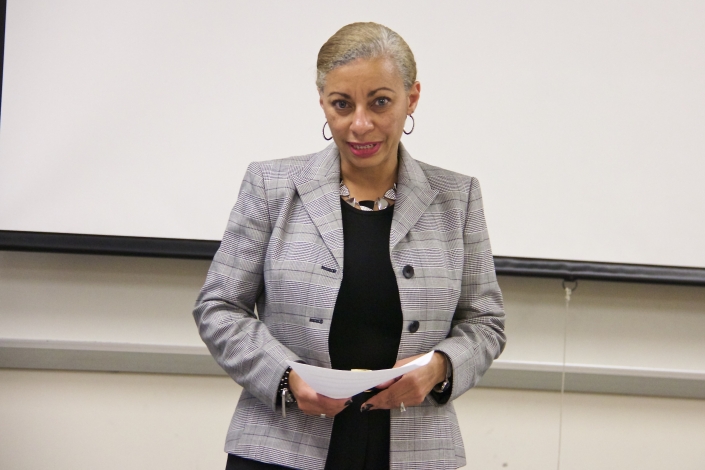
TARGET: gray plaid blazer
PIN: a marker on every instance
(283, 252)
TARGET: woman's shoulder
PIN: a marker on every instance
(280, 168)
(443, 180)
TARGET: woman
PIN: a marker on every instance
(418, 276)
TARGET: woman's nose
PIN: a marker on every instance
(361, 122)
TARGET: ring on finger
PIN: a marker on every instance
(402, 408)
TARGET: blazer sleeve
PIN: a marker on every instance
(476, 336)
(225, 310)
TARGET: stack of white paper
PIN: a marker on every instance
(344, 383)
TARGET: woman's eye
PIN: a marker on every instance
(340, 104)
(382, 101)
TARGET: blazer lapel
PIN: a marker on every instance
(318, 185)
(414, 195)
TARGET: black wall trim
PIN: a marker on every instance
(107, 245)
(205, 249)
(572, 270)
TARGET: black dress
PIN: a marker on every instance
(364, 334)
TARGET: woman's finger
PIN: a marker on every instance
(312, 403)
(324, 406)
(331, 406)
(399, 363)
(411, 389)
(319, 405)
(382, 401)
(393, 396)
(388, 383)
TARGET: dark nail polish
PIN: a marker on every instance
(366, 407)
(348, 403)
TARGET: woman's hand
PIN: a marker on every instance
(312, 403)
(410, 389)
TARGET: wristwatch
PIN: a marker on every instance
(443, 386)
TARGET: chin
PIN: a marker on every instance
(368, 162)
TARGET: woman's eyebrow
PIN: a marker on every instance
(372, 93)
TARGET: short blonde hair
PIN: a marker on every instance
(365, 41)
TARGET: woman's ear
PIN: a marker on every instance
(414, 94)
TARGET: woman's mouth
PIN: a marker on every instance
(364, 149)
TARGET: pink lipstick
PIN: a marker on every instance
(364, 149)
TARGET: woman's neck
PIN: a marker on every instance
(368, 184)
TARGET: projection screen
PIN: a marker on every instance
(584, 121)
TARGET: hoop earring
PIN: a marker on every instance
(323, 131)
(413, 124)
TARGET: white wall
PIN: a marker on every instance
(106, 420)
(149, 301)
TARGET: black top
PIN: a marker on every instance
(364, 334)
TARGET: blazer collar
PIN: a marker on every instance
(318, 185)
(414, 195)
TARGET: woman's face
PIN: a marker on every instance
(366, 106)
